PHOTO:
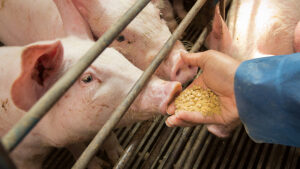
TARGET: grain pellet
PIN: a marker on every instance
(198, 99)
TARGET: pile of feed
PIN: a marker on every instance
(198, 99)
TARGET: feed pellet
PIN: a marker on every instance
(198, 99)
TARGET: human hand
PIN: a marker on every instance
(218, 75)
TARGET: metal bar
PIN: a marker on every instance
(246, 153)
(199, 41)
(230, 147)
(203, 151)
(237, 153)
(220, 153)
(133, 131)
(33, 116)
(142, 140)
(196, 148)
(165, 146)
(93, 147)
(254, 156)
(264, 156)
(182, 140)
(188, 147)
(209, 158)
(126, 156)
(5, 161)
(149, 143)
(170, 149)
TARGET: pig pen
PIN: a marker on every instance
(151, 144)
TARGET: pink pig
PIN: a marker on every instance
(86, 106)
(21, 23)
(256, 28)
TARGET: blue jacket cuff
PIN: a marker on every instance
(267, 92)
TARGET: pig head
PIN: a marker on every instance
(141, 40)
(86, 106)
(256, 29)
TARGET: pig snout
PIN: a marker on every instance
(156, 97)
(182, 72)
(171, 90)
(179, 71)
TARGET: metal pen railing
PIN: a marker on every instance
(95, 144)
(44, 104)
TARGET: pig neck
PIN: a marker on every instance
(262, 28)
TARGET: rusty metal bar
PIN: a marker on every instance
(5, 161)
(126, 155)
(33, 116)
(137, 88)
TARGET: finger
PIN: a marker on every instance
(172, 121)
(171, 108)
(195, 117)
(219, 130)
(197, 59)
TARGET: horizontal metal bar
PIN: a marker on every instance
(31, 118)
(5, 161)
(137, 88)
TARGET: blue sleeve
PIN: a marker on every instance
(267, 92)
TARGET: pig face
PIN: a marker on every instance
(141, 40)
(87, 105)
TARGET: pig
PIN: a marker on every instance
(166, 12)
(22, 23)
(84, 108)
(256, 28)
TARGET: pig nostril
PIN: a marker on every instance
(190, 66)
(178, 72)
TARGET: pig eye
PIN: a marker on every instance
(160, 15)
(87, 78)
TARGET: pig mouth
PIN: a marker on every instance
(175, 92)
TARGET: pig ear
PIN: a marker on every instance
(297, 38)
(219, 38)
(39, 70)
(73, 22)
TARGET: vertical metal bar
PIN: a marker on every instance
(5, 161)
(31, 118)
(137, 88)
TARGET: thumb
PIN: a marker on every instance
(196, 59)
